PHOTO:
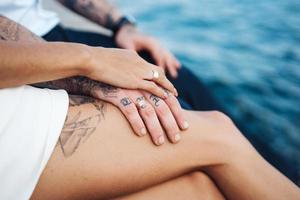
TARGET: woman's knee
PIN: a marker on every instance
(219, 131)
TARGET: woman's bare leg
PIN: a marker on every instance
(193, 186)
(98, 156)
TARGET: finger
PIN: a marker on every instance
(161, 79)
(177, 111)
(155, 51)
(131, 113)
(150, 118)
(165, 116)
(177, 62)
(151, 87)
(157, 56)
(171, 67)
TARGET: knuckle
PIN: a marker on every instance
(161, 71)
(151, 86)
(173, 102)
(149, 111)
(162, 110)
(129, 111)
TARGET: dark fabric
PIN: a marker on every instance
(193, 95)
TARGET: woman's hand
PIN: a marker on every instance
(126, 69)
(128, 37)
(146, 112)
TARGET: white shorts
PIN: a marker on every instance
(31, 120)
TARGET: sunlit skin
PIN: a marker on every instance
(98, 155)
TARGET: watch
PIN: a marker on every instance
(125, 20)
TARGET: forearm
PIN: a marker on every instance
(26, 63)
(78, 85)
(101, 12)
(36, 60)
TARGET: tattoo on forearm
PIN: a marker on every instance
(125, 101)
(81, 86)
(100, 11)
(12, 31)
(155, 99)
(79, 128)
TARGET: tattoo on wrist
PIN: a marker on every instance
(125, 101)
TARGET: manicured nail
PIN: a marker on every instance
(166, 95)
(185, 125)
(177, 137)
(143, 132)
(176, 93)
(161, 140)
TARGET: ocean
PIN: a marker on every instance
(247, 52)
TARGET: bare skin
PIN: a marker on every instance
(45, 61)
(104, 13)
(143, 119)
(98, 157)
(87, 164)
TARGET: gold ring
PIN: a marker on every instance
(155, 74)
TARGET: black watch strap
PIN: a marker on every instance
(122, 21)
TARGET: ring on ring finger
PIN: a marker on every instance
(155, 74)
(141, 103)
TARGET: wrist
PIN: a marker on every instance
(124, 21)
(85, 60)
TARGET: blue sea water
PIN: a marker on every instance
(246, 51)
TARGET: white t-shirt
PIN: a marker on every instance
(30, 14)
(31, 120)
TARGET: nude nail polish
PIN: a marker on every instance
(166, 95)
(143, 132)
(176, 93)
(186, 125)
(161, 140)
(177, 137)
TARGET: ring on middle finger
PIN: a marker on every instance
(141, 102)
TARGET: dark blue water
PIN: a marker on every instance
(246, 51)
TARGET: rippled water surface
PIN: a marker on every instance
(248, 54)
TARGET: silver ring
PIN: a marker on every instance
(155, 74)
(141, 102)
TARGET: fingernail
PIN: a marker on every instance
(166, 94)
(160, 140)
(143, 132)
(175, 91)
(185, 125)
(177, 137)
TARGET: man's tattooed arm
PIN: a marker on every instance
(101, 12)
(80, 85)
(12, 31)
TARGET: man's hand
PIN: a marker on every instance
(145, 111)
(128, 37)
